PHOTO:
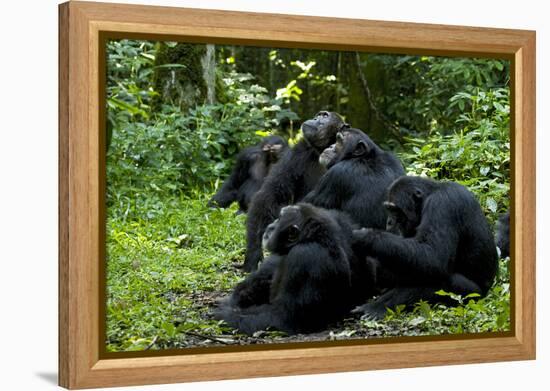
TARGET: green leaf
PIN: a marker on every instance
(472, 295)
(169, 328)
(148, 56)
(261, 133)
(491, 204)
(424, 308)
(417, 321)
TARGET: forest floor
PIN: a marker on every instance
(170, 260)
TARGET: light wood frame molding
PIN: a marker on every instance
(81, 190)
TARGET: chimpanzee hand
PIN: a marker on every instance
(365, 237)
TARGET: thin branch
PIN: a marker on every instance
(152, 343)
(206, 337)
(379, 116)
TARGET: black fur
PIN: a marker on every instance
(289, 181)
(359, 174)
(305, 284)
(503, 234)
(252, 166)
(437, 238)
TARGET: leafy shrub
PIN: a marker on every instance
(171, 150)
(129, 68)
(419, 88)
(477, 155)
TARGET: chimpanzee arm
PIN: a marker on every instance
(277, 190)
(255, 288)
(429, 254)
(411, 257)
(251, 319)
(228, 193)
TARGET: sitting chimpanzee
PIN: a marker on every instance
(359, 174)
(503, 234)
(252, 166)
(305, 284)
(437, 238)
(289, 180)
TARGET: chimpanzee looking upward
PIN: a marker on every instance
(252, 166)
(359, 174)
(437, 238)
(289, 180)
(305, 284)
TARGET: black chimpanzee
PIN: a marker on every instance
(289, 180)
(437, 238)
(359, 174)
(305, 284)
(503, 234)
(252, 166)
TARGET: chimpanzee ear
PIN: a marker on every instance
(361, 148)
(418, 193)
(345, 126)
(293, 232)
(340, 137)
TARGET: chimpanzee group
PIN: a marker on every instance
(348, 232)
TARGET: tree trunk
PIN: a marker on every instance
(208, 63)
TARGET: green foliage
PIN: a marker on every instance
(129, 67)
(172, 149)
(304, 74)
(165, 269)
(178, 152)
(419, 89)
(477, 155)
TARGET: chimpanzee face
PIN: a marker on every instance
(273, 146)
(350, 143)
(284, 233)
(321, 130)
(398, 223)
(404, 209)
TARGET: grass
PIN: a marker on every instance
(170, 258)
(164, 270)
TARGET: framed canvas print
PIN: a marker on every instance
(295, 194)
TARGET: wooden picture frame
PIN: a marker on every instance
(83, 28)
